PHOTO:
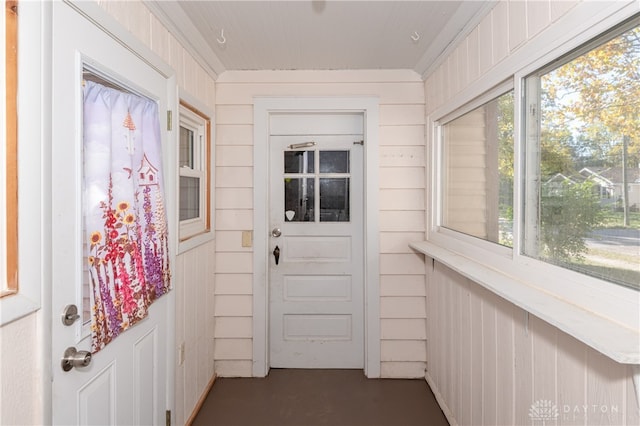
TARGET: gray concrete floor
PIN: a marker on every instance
(319, 397)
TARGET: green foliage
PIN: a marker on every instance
(596, 96)
(567, 217)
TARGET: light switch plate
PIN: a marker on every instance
(247, 238)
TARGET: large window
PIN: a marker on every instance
(9, 154)
(582, 192)
(477, 171)
(194, 172)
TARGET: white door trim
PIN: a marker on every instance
(262, 108)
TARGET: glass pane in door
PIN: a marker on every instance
(334, 161)
(299, 199)
(334, 200)
(299, 161)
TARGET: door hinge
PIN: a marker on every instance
(169, 119)
(168, 418)
(358, 143)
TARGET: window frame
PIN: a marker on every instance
(439, 166)
(9, 153)
(601, 314)
(32, 193)
(531, 181)
(193, 115)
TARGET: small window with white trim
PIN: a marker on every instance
(477, 170)
(582, 159)
(194, 162)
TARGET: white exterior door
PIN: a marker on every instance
(127, 381)
(316, 273)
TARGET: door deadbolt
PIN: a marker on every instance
(70, 314)
(75, 358)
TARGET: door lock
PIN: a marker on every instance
(75, 358)
(70, 314)
(276, 232)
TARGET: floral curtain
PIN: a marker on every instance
(124, 211)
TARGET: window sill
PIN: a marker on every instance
(195, 241)
(15, 306)
(618, 342)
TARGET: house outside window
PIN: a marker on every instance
(194, 164)
(582, 149)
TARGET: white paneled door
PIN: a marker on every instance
(126, 382)
(316, 252)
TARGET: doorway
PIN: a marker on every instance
(324, 291)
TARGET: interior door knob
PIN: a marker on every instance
(75, 358)
(276, 232)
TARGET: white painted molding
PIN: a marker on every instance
(263, 107)
(33, 210)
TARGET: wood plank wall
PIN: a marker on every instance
(489, 361)
(402, 180)
(193, 273)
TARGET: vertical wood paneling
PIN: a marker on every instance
(457, 358)
(159, 39)
(477, 399)
(474, 55)
(500, 23)
(504, 362)
(538, 17)
(632, 411)
(490, 358)
(605, 390)
(559, 8)
(485, 45)
(517, 23)
(466, 356)
(572, 374)
(544, 360)
(523, 390)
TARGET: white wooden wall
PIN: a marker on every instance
(402, 180)
(489, 361)
(193, 273)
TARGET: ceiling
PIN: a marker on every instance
(319, 34)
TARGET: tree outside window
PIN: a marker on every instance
(583, 160)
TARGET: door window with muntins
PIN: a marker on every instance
(316, 186)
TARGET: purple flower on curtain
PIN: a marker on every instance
(127, 236)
